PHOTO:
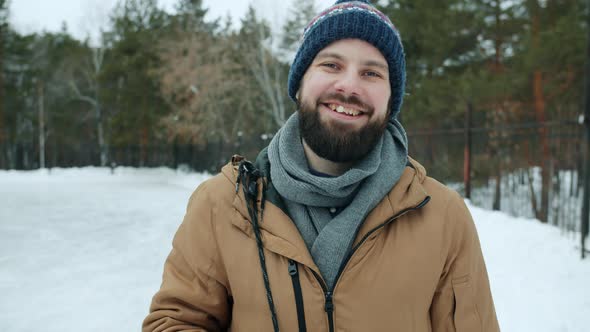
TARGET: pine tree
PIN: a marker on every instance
(300, 14)
(440, 42)
(137, 27)
(190, 15)
(16, 90)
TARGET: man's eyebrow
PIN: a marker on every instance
(322, 55)
(368, 63)
(378, 64)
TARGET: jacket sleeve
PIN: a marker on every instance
(193, 295)
(463, 300)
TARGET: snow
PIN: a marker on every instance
(538, 279)
(565, 195)
(83, 249)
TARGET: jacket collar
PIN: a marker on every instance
(280, 235)
(407, 193)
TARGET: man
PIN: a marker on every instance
(334, 228)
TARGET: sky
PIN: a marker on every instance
(85, 17)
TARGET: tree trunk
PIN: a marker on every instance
(546, 152)
(41, 105)
(530, 180)
(556, 207)
(585, 176)
(532, 191)
(497, 69)
(11, 156)
(467, 152)
(496, 206)
(539, 105)
(101, 141)
(272, 88)
(143, 145)
(97, 60)
(102, 146)
(3, 148)
(53, 151)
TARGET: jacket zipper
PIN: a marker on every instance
(329, 307)
(329, 294)
(294, 272)
(329, 304)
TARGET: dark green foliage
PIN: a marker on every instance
(486, 52)
(133, 95)
(300, 15)
(441, 43)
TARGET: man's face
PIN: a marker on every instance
(344, 100)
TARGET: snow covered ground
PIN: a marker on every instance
(82, 250)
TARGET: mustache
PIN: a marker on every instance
(350, 100)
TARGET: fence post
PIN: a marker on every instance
(175, 153)
(586, 197)
(41, 106)
(467, 152)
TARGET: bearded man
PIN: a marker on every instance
(334, 227)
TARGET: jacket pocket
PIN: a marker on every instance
(466, 316)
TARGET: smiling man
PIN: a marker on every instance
(334, 227)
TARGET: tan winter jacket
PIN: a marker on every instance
(417, 266)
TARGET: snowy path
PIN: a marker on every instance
(83, 250)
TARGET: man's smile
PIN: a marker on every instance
(344, 109)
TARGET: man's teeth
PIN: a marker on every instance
(342, 109)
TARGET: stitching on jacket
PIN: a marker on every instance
(215, 234)
(446, 222)
(458, 283)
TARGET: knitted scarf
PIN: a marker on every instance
(309, 197)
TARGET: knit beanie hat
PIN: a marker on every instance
(359, 20)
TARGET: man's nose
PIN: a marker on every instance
(348, 83)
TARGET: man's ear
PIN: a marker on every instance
(297, 94)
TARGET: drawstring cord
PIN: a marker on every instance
(248, 176)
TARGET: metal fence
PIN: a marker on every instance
(206, 157)
(528, 170)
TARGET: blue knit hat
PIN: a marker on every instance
(359, 20)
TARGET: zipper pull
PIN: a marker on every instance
(329, 303)
(292, 268)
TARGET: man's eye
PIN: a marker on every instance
(330, 65)
(372, 74)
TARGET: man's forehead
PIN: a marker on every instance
(352, 50)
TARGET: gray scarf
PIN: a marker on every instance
(308, 197)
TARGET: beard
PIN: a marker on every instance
(333, 141)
